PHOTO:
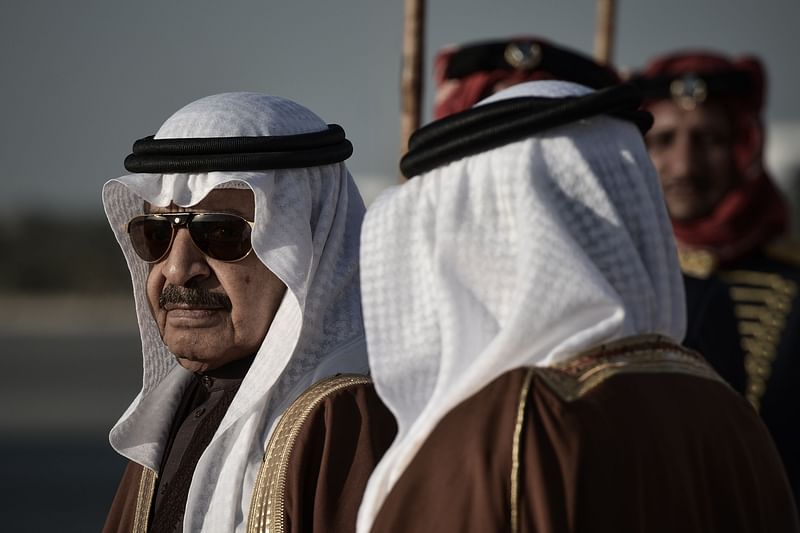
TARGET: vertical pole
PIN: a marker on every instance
(412, 74)
(604, 31)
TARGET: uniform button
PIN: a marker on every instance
(207, 381)
(199, 412)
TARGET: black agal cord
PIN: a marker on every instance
(489, 126)
(170, 156)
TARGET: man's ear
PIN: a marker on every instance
(749, 146)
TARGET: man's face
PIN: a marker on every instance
(693, 153)
(210, 334)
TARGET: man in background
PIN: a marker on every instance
(730, 221)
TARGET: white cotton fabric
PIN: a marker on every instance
(307, 224)
(521, 256)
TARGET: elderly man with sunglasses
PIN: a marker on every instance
(240, 227)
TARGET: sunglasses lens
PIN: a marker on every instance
(150, 237)
(220, 236)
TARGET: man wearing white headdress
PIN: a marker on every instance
(523, 307)
(240, 227)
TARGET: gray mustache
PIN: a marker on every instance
(174, 294)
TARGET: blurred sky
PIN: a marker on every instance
(82, 80)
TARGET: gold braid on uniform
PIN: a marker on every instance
(697, 263)
(762, 302)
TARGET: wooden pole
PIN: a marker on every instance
(412, 74)
(604, 31)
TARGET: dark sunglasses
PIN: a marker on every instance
(220, 236)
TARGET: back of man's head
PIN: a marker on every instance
(532, 227)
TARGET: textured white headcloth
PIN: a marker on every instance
(307, 224)
(523, 255)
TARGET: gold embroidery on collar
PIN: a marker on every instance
(144, 499)
(268, 503)
(762, 302)
(642, 354)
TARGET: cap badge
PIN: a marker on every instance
(523, 55)
(688, 91)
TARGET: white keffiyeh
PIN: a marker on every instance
(306, 232)
(524, 255)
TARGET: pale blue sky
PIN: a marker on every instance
(82, 80)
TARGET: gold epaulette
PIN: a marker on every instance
(762, 302)
(268, 503)
(641, 354)
(784, 250)
(697, 263)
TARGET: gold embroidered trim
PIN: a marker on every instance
(762, 302)
(642, 354)
(267, 506)
(516, 449)
(144, 499)
(696, 263)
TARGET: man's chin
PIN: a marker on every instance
(193, 366)
(191, 353)
(199, 359)
(684, 210)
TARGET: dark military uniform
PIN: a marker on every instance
(755, 302)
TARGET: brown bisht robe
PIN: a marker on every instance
(639, 436)
(315, 469)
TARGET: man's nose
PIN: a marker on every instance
(684, 157)
(185, 262)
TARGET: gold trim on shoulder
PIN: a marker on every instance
(697, 263)
(762, 302)
(574, 378)
(577, 376)
(144, 500)
(268, 503)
